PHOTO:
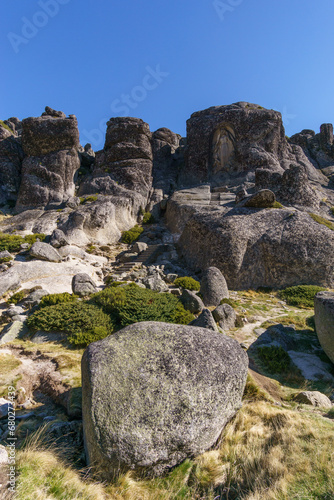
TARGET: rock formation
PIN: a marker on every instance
(168, 400)
(324, 321)
(50, 144)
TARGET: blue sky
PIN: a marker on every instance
(162, 60)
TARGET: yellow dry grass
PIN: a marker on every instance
(267, 453)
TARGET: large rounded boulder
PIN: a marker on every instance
(157, 393)
(213, 287)
(324, 321)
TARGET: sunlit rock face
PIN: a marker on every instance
(227, 144)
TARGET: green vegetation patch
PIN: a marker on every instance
(84, 323)
(131, 235)
(2, 123)
(57, 298)
(300, 295)
(148, 218)
(275, 359)
(322, 220)
(132, 304)
(12, 242)
(187, 283)
(6, 259)
(88, 199)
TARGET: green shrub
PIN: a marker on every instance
(132, 304)
(274, 358)
(6, 259)
(131, 235)
(57, 298)
(332, 210)
(18, 296)
(300, 295)
(322, 220)
(148, 218)
(84, 323)
(12, 242)
(187, 283)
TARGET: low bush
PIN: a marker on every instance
(12, 242)
(6, 259)
(132, 304)
(274, 358)
(148, 218)
(187, 283)
(131, 235)
(57, 298)
(300, 295)
(18, 296)
(84, 323)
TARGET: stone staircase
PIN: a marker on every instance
(144, 258)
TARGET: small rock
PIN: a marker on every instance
(262, 199)
(155, 283)
(41, 337)
(35, 297)
(191, 302)
(24, 246)
(225, 315)
(73, 202)
(15, 330)
(5, 255)
(314, 398)
(44, 251)
(171, 277)
(139, 247)
(4, 404)
(15, 310)
(83, 285)
(58, 239)
(205, 320)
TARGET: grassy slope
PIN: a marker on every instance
(267, 451)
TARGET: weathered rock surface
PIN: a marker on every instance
(50, 144)
(314, 398)
(226, 144)
(205, 320)
(324, 321)
(83, 285)
(167, 159)
(58, 239)
(225, 315)
(275, 247)
(10, 280)
(44, 251)
(15, 330)
(191, 302)
(262, 199)
(213, 287)
(168, 401)
(11, 157)
(126, 159)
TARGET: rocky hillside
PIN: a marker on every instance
(166, 313)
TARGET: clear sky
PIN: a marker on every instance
(162, 60)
